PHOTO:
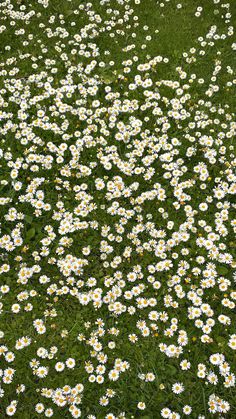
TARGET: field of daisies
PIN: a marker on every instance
(117, 209)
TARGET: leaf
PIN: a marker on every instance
(69, 12)
(220, 339)
(28, 218)
(108, 78)
(30, 233)
(222, 270)
(171, 369)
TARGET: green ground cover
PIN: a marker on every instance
(117, 209)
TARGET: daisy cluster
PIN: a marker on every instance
(117, 202)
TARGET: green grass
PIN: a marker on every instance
(40, 72)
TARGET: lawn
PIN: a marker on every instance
(117, 209)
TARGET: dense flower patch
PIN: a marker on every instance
(117, 202)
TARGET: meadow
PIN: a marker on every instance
(117, 209)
